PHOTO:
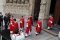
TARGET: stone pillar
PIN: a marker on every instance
(46, 15)
(32, 2)
(44, 12)
(30, 6)
(2, 4)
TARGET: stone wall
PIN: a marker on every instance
(2, 4)
(19, 10)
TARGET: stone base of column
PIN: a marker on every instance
(44, 23)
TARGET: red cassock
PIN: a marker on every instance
(16, 25)
(51, 22)
(28, 28)
(13, 26)
(31, 20)
(39, 26)
(22, 23)
(12, 19)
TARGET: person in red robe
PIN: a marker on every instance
(38, 27)
(12, 19)
(28, 28)
(31, 19)
(50, 22)
(13, 26)
(16, 24)
(22, 23)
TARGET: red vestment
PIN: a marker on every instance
(51, 22)
(39, 26)
(22, 23)
(16, 25)
(28, 28)
(12, 19)
(31, 20)
(13, 27)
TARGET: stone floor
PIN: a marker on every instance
(56, 29)
(42, 36)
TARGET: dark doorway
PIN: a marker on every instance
(52, 7)
(55, 10)
(36, 9)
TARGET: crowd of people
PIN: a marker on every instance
(18, 29)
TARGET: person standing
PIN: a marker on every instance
(22, 23)
(28, 28)
(38, 27)
(11, 18)
(16, 24)
(31, 19)
(13, 26)
(50, 22)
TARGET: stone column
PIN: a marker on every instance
(2, 4)
(44, 12)
(30, 6)
(32, 2)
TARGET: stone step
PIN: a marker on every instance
(50, 32)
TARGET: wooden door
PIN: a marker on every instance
(57, 12)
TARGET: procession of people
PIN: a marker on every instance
(19, 29)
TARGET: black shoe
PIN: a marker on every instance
(37, 34)
(26, 36)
